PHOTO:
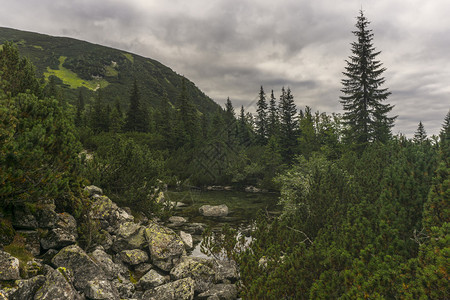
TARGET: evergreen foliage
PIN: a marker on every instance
(288, 125)
(137, 115)
(365, 114)
(261, 118)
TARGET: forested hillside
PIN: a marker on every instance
(81, 66)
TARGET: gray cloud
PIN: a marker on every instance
(231, 47)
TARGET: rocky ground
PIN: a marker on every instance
(136, 260)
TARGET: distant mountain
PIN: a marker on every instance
(82, 65)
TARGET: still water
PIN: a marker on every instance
(242, 208)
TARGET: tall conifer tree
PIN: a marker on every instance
(272, 121)
(137, 116)
(288, 125)
(261, 118)
(365, 114)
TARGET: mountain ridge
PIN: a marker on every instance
(84, 65)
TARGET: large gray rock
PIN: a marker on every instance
(46, 215)
(133, 257)
(68, 223)
(27, 288)
(214, 211)
(56, 286)
(101, 290)
(187, 240)
(226, 271)
(220, 291)
(129, 236)
(152, 279)
(9, 267)
(108, 214)
(83, 268)
(57, 238)
(176, 221)
(24, 219)
(124, 286)
(199, 269)
(111, 269)
(141, 269)
(92, 190)
(165, 246)
(182, 289)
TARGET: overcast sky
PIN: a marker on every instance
(229, 48)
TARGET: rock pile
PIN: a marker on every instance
(134, 261)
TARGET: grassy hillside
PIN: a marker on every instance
(83, 65)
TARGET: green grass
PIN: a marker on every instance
(129, 57)
(111, 71)
(71, 79)
(17, 249)
(38, 47)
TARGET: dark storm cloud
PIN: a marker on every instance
(232, 47)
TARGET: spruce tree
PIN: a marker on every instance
(288, 125)
(230, 121)
(188, 114)
(80, 108)
(272, 121)
(261, 118)
(365, 114)
(420, 135)
(137, 115)
(244, 131)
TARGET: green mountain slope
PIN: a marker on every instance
(83, 65)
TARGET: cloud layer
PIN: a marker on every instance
(231, 47)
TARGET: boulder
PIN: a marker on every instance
(33, 268)
(194, 228)
(31, 241)
(129, 236)
(226, 271)
(48, 256)
(182, 289)
(24, 219)
(68, 223)
(199, 269)
(92, 190)
(83, 268)
(57, 238)
(109, 214)
(151, 280)
(165, 246)
(220, 291)
(141, 269)
(112, 270)
(176, 221)
(46, 215)
(56, 286)
(9, 267)
(187, 240)
(133, 257)
(214, 211)
(125, 288)
(252, 189)
(27, 288)
(100, 289)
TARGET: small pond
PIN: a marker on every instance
(242, 206)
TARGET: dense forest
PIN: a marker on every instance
(365, 213)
